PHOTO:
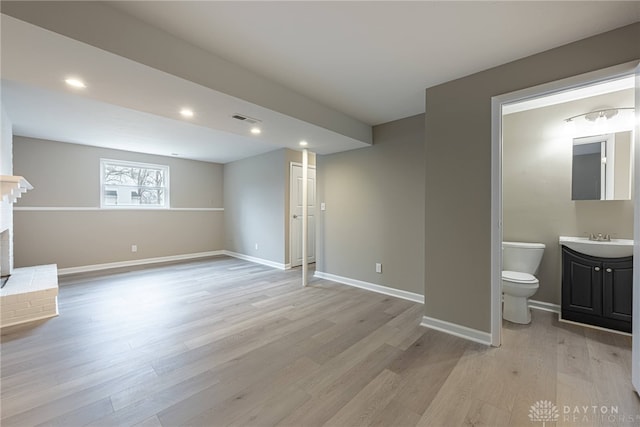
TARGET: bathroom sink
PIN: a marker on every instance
(616, 248)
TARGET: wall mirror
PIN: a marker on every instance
(601, 167)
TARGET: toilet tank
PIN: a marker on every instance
(520, 256)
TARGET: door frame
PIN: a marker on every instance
(563, 85)
(635, 320)
(290, 213)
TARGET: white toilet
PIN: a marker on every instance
(520, 261)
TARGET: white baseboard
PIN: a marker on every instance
(586, 325)
(144, 261)
(371, 287)
(544, 306)
(278, 265)
(457, 330)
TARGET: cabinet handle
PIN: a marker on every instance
(609, 270)
(597, 268)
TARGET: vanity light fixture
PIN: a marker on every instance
(605, 120)
(599, 115)
(77, 83)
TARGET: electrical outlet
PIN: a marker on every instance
(256, 246)
(323, 207)
(134, 248)
(378, 267)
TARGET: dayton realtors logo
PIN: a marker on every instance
(600, 414)
(543, 411)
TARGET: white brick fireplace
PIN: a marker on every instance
(12, 188)
(29, 293)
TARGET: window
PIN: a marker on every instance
(133, 185)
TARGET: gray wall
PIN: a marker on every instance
(254, 206)
(375, 208)
(537, 205)
(257, 204)
(6, 138)
(67, 175)
(458, 169)
(623, 176)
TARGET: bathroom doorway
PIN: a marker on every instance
(560, 97)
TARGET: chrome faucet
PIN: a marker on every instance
(600, 237)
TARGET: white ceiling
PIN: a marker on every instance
(81, 120)
(373, 59)
(370, 60)
(130, 106)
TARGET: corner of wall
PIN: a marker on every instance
(6, 168)
(254, 194)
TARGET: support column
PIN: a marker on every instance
(305, 213)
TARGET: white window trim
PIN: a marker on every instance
(165, 168)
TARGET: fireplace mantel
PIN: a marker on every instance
(13, 187)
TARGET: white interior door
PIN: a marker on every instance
(295, 215)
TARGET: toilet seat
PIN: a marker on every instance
(519, 277)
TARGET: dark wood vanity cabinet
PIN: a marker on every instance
(597, 291)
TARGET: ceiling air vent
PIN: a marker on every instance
(246, 119)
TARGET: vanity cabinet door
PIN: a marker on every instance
(581, 284)
(617, 290)
(597, 291)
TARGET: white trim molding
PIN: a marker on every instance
(544, 306)
(586, 325)
(13, 187)
(269, 263)
(93, 208)
(457, 330)
(197, 209)
(386, 290)
(135, 262)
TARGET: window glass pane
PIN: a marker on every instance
(126, 184)
(124, 175)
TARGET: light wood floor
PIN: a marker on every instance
(226, 342)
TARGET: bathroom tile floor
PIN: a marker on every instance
(226, 342)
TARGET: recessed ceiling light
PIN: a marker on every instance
(75, 83)
(186, 112)
(304, 143)
(256, 130)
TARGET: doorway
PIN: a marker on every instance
(295, 215)
(631, 70)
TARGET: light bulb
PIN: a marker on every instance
(186, 112)
(75, 83)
